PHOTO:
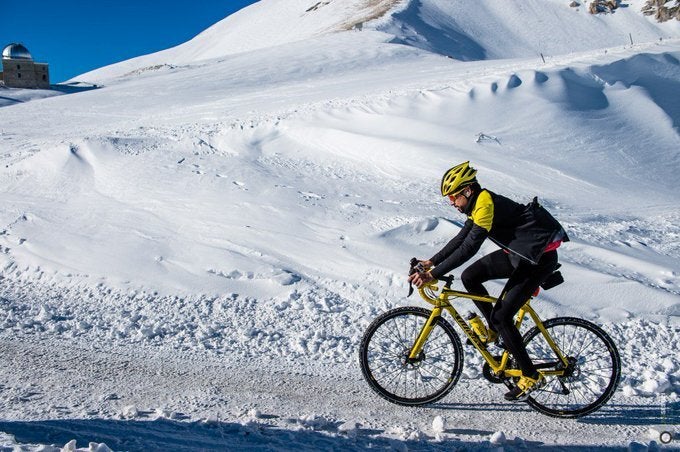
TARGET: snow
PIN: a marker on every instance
(11, 96)
(193, 242)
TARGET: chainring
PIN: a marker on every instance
(490, 375)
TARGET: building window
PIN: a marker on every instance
(44, 78)
(19, 75)
(18, 67)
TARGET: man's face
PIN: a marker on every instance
(459, 200)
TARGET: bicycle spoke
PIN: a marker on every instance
(596, 360)
(598, 371)
(388, 337)
(583, 347)
(577, 391)
(443, 345)
(591, 376)
(399, 378)
(426, 380)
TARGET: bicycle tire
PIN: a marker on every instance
(384, 351)
(592, 375)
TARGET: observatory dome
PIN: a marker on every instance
(16, 51)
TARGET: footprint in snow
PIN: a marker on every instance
(308, 196)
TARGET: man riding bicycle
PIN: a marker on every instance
(528, 236)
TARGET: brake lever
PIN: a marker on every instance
(416, 267)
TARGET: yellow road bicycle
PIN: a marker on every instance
(412, 356)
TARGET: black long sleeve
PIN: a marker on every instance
(453, 243)
(460, 249)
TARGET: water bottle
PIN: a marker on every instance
(478, 326)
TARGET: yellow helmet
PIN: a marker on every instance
(457, 178)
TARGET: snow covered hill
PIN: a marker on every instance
(237, 209)
(464, 30)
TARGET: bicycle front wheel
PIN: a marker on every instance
(591, 375)
(385, 363)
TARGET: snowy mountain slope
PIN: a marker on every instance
(185, 232)
(465, 30)
(265, 24)
(473, 30)
(84, 158)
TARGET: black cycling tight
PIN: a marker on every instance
(523, 279)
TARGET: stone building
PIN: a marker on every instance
(20, 71)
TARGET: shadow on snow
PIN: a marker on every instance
(668, 414)
(614, 414)
(163, 434)
(72, 88)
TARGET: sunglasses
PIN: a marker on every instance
(456, 195)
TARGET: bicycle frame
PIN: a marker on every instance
(499, 367)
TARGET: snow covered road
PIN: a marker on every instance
(142, 398)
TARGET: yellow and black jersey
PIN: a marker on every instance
(524, 230)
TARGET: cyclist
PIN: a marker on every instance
(528, 236)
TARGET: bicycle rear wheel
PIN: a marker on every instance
(384, 356)
(590, 378)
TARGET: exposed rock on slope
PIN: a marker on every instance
(662, 10)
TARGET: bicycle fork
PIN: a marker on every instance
(424, 335)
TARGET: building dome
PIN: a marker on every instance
(16, 51)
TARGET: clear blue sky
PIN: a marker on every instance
(77, 36)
